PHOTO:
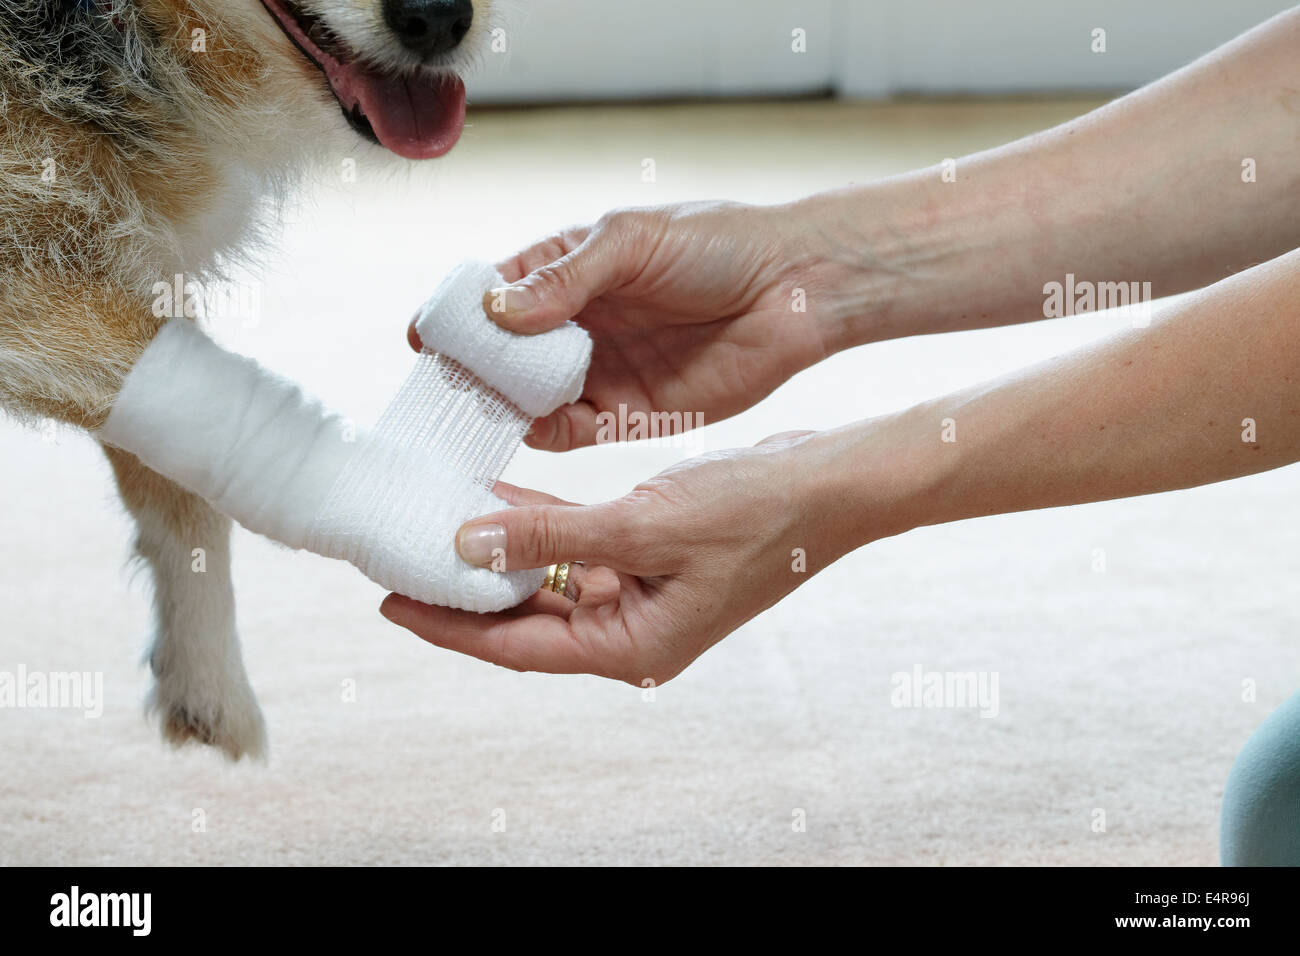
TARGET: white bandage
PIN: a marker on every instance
(389, 500)
(537, 373)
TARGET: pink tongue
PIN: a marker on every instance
(415, 118)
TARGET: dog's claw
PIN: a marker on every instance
(234, 725)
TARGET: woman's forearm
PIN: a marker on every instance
(1154, 187)
(1210, 391)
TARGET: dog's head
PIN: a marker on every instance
(392, 65)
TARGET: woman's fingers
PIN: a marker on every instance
(566, 428)
(586, 586)
(541, 634)
(550, 295)
(535, 536)
(578, 574)
(530, 642)
(553, 247)
(518, 266)
(783, 437)
(519, 497)
(594, 585)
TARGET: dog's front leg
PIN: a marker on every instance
(201, 692)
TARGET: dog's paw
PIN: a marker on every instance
(217, 713)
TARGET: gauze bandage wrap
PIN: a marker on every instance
(390, 499)
(536, 373)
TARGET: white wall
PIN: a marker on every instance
(611, 49)
(602, 49)
(945, 46)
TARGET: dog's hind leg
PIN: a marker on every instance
(201, 692)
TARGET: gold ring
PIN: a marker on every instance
(557, 578)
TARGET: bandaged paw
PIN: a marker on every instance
(389, 500)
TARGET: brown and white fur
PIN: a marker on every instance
(128, 156)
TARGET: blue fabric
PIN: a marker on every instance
(1260, 821)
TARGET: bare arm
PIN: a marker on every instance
(690, 555)
(1148, 188)
(1210, 391)
(693, 307)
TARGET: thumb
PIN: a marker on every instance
(541, 535)
(548, 297)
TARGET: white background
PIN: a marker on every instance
(598, 49)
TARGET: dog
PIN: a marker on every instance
(143, 139)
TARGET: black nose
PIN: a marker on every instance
(429, 27)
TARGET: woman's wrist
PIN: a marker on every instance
(919, 253)
(890, 259)
(874, 478)
(948, 248)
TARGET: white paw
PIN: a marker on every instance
(208, 703)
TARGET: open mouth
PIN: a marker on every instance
(419, 115)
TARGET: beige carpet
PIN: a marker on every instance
(1119, 691)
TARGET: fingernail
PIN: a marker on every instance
(512, 299)
(480, 545)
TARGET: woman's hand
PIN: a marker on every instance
(1207, 392)
(670, 569)
(692, 307)
(701, 308)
